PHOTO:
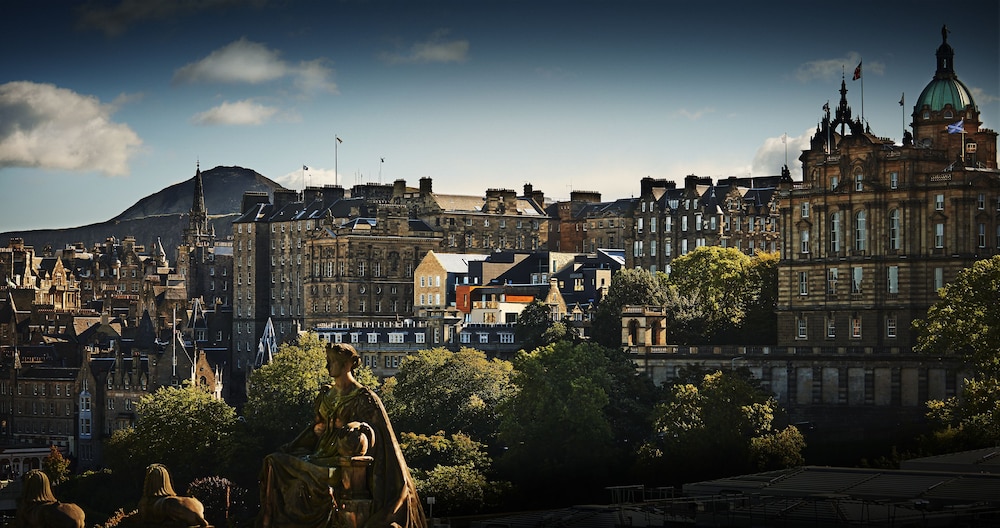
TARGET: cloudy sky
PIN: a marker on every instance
(106, 101)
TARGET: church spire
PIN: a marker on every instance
(199, 231)
(199, 191)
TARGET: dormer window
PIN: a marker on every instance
(948, 114)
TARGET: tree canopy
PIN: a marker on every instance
(719, 424)
(184, 428)
(965, 321)
(440, 390)
(628, 286)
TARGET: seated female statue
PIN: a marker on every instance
(298, 484)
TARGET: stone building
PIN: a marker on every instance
(876, 228)
(734, 212)
(436, 278)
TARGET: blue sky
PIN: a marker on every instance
(106, 101)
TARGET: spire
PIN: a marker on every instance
(199, 192)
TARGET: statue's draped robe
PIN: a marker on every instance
(295, 489)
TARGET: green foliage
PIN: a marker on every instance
(184, 428)
(424, 452)
(439, 390)
(55, 466)
(532, 324)
(965, 321)
(628, 286)
(556, 429)
(721, 295)
(281, 394)
(966, 318)
(723, 424)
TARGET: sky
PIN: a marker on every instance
(104, 102)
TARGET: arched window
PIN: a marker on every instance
(860, 231)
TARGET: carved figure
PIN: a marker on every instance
(161, 506)
(344, 469)
(39, 508)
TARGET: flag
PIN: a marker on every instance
(957, 128)
(901, 98)
(857, 72)
(338, 139)
(305, 168)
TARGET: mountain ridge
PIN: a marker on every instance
(163, 214)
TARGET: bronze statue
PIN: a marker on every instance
(161, 506)
(346, 468)
(39, 508)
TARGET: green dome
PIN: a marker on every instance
(941, 92)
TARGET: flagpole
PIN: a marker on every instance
(862, 93)
(336, 173)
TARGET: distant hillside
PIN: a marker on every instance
(163, 214)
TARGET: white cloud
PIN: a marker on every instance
(42, 125)
(434, 49)
(245, 112)
(696, 114)
(249, 62)
(825, 69)
(114, 20)
(314, 177)
(770, 157)
(981, 97)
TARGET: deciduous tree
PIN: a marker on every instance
(628, 286)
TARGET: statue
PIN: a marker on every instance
(346, 468)
(39, 508)
(160, 506)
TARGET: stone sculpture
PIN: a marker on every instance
(345, 469)
(161, 506)
(38, 508)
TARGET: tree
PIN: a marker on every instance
(55, 466)
(556, 428)
(965, 321)
(184, 428)
(440, 390)
(722, 424)
(628, 286)
(532, 323)
(282, 392)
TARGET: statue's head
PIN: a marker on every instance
(157, 483)
(36, 487)
(343, 352)
(355, 439)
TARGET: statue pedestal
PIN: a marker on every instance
(354, 498)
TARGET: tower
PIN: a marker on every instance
(199, 232)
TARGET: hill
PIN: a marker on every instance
(163, 214)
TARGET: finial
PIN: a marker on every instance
(944, 33)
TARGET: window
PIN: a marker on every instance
(894, 229)
(831, 280)
(396, 337)
(982, 235)
(684, 223)
(831, 326)
(804, 240)
(938, 278)
(981, 201)
(939, 202)
(893, 279)
(372, 337)
(419, 338)
(833, 183)
(652, 248)
(484, 337)
(698, 224)
(805, 209)
(652, 224)
(506, 338)
(893, 180)
(465, 337)
(835, 232)
(859, 182)
(803, 283)
(857, 275)
(860, 231)
(802, 330)
(890, 326)
(856, 327)
(939, 235)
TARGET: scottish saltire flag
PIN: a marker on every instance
(957, 128)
